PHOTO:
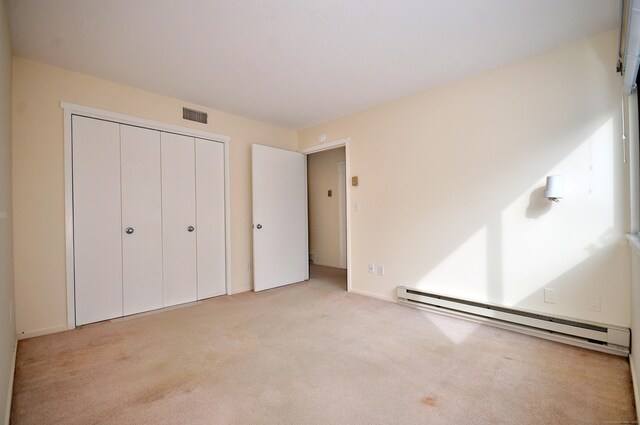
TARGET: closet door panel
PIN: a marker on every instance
(210, 218)
(142, 217)
(178, 216)
(97, 220)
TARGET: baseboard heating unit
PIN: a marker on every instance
(596, 336)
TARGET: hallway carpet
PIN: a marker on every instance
(311, 353)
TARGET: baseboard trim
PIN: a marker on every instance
(542, 334)
(12, 373)
(634, 381)
(372, 295)
(41, 332)
(333, 266)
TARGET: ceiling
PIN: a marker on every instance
(295, 63)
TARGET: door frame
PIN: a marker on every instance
(71, 109)
(342, 213)
(345, 142)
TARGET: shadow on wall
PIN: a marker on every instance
(538, 204)
(588, 279)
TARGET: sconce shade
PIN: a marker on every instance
(555, 187)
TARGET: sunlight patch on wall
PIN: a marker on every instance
(541, 240)
(533, 243)
(467, 264)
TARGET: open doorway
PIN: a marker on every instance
(327, 209)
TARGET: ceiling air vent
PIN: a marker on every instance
(193, 115)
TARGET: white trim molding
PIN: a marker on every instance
(326, 146)
(342, 212)
(141, 122)
(377, 296)
(347, 152)
(634, 382)
(71, 109)
(44, 331)
(12, 373)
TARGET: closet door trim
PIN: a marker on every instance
(70, 110)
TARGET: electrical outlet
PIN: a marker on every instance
(549, 296)
(372, 268)
(595, 303)
(380, 270)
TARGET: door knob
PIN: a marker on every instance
(129, 230)
(191, 229)
(259, 226)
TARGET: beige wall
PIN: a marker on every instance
(39, 178)
(451, 184)
(324, 211)
(7, 324)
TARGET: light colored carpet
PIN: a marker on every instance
(311, 353)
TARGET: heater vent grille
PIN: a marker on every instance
(614, 339)
(193, 115)
(513, 311)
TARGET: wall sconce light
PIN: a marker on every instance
(555, 188)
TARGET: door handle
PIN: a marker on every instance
(190, 229)
(129, 230)
(259, 226)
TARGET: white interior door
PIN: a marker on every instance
(178, 219)
(97, 222)
(141, 219)
(210, 219)
(280, 228)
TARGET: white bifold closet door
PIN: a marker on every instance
(141, 219)
(97, 220)
(193, 218)
(179, 219)
(210, 219)
(149, 219)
